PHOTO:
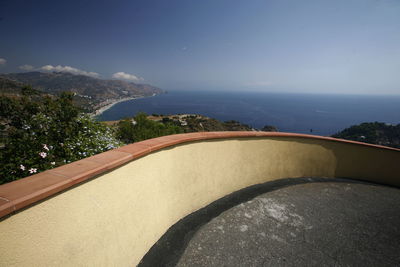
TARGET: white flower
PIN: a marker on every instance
(52, 163)
(32, 170)
(22, 167)
(45, 147)
(43, 154)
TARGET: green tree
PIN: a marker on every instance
(372, 132)
(141, 128)
(42, 132)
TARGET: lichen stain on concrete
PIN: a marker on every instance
(280, 212)
(262, 234)
(247, 215)
(244, 228)
(277, 238)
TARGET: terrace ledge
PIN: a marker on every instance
(22, 193)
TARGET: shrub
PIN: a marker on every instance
(42, 132)
(141, 128)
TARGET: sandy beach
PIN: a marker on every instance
(100, 110)
(112, 102)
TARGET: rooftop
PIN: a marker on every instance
(316, 224)
(295, 222)
(255, 194)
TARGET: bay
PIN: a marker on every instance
(324, 114)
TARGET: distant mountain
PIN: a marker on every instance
(95, 90)
(374, 133)
(8, 86)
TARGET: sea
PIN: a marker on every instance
(319, 114)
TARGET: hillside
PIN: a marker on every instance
(10, 87)
(195, 123)
(374, 133)
(89, 91)
(199, 123)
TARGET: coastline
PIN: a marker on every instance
(100, 110)
(112, 102)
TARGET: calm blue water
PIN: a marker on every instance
(325, 114)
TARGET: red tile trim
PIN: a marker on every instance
(6, 207)
(19, 194)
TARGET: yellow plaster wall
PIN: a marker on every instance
(114, 219)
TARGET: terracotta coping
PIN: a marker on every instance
(24, 192)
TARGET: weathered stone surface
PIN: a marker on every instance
(314, 224)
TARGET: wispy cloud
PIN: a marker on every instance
(27, 67)
(126, 76)
(69, 69)
(3, 61)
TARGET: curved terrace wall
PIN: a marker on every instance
(109, 209)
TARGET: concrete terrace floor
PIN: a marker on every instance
(308, 224)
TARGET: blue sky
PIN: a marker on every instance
(349, 46)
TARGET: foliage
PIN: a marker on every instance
(198, 123)
(373, 133)
(42, 132)
(141, 128)
(269, 128)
